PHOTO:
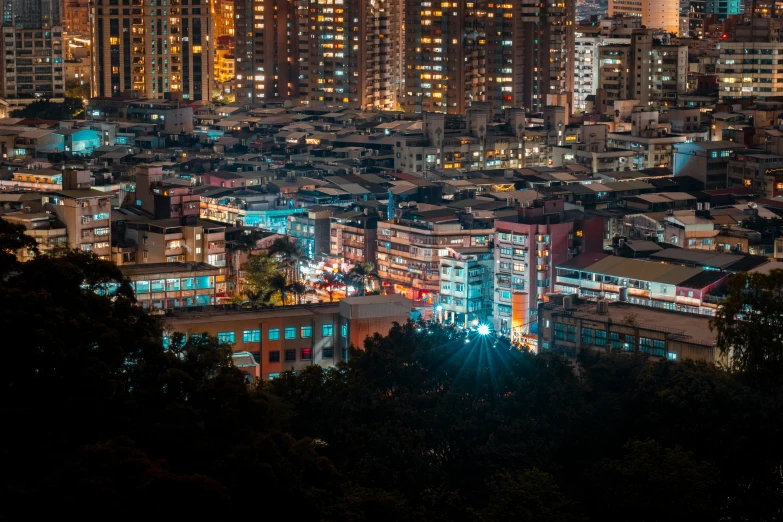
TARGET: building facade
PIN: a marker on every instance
(508, 55)
(294, 337)
(466, 288)
(153, 49)
(656, 14)
(749, 70)
(569, 328)
(32, 63)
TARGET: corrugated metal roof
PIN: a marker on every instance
(643, 270)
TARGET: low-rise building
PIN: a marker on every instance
(656, 285)
(85, 212)
(44, 228)
(466, 285)
(187, 239)
(169, 286)
(410, 247)
(660, 334)
(707, 161)
(294, 337)
(311, 231)
(353, 236)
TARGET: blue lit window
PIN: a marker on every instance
(307, 332)
(327, 330)
(225, 337)
(344, 330)
(290, 332)
(274, 334)
(275, 375)
(101, 215)
(251, 336)
(671, 356)
(166, 342)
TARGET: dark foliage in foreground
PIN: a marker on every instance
(100, 421)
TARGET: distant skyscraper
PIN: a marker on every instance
(31, 51)
(32, 13)
(152, 48)
(656, 14)
(266, 50)
(352, 50)
(325, 53)
(76, 16)
(459, 53)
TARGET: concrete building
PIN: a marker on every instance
(706, 161)
(354, 54)
(585, 68)
(49, 234)
(76, 17)
(187, 239)
(466, 285)
(169, 116)
(527, 250)
(172, 286)
(267, 59)
(311, 230)
(657, 14)
(353, 236)
(660, 334)
(460, 54)
(746, 70)
(722, 9)
(85, 212)
(410, 247)
(762, 172)
(653, 146)
(659, 72)
(645, 283)
(130, 52)
(294, 337)
(169, 198)
(32, 63)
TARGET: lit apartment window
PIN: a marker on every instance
(225, 337)
(290, 332)
(252, 336)
(274, 334)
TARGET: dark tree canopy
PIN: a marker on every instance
(420, 425)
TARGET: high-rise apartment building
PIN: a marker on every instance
(655, 14)
(32, 13)
(31, 51)
(322, 53)
(351, 53)
(266, 50)
(76, 17)
(509, 55)
(152, 46)
(224, 18)
(749, 70)
(659, 72)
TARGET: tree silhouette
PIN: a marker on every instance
(330, 281)
(361, 276)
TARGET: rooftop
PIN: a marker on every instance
(695, 328)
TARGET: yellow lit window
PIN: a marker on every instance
(115, 70)
(196, 49)
(114, 40)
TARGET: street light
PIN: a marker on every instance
(483, 329)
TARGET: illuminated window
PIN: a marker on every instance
(114, 40)
(196, 49)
